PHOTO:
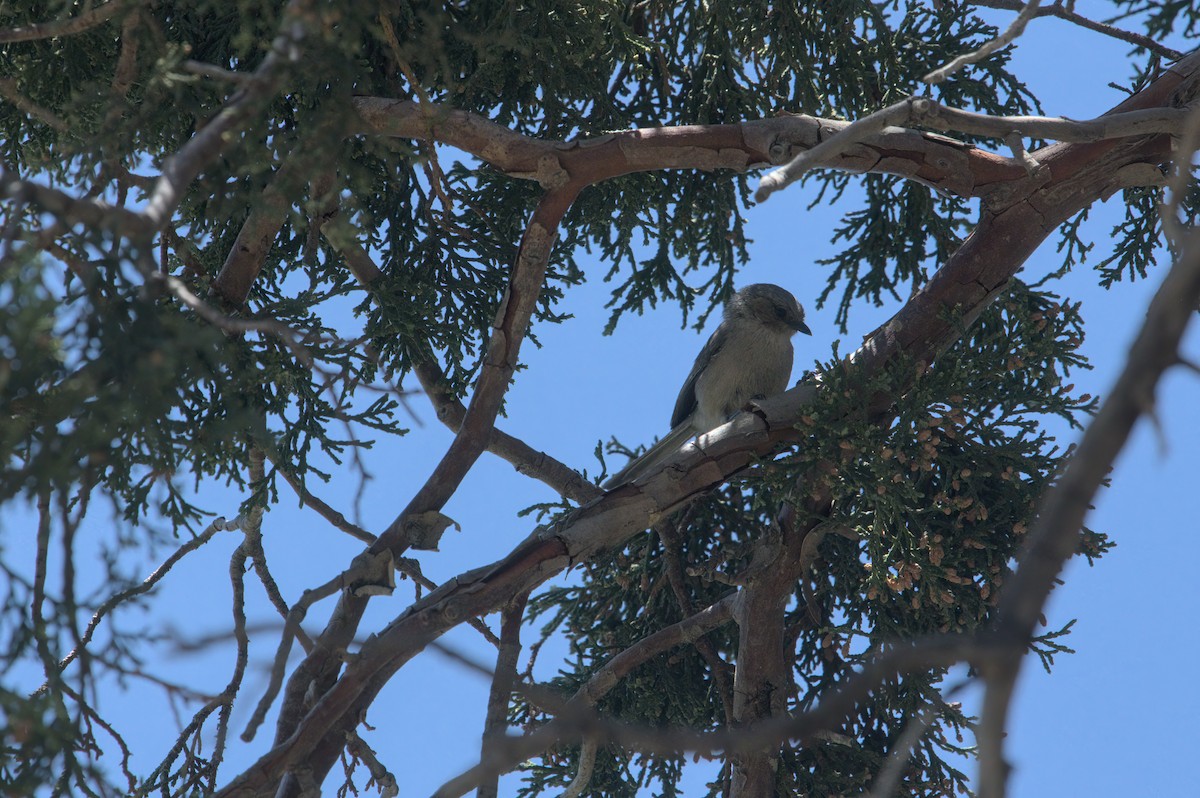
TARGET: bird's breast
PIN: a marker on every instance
(754, 361)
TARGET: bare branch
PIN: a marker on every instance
(237, 574)
(66, 27)
(380, 775)
(11, 92)
(334, 517)
(1015, 29)
(496, 723)
(587, 763)
(1017, 145)
(565, 480)
(215, 72)
(1067, 12)
(115, 600)
(1055, 535)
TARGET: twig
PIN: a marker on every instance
(502, 758)
(41, 635)
(583, 775)
(334, 517)
(279, 667)
(237, 574)
(380, 775)
(113, 601)
(668, 533)
(1057, 9)
(433, 170)
(1017, 145)
(65, 27)
(215, 72)
(11, 92)
(565, 480)
(1015, 29)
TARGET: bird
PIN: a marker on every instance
(749, 356)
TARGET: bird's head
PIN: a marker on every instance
(774, 307)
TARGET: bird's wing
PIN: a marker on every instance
(685, 405)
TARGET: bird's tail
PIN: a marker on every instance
(653, 457)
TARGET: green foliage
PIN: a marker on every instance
(928, 512)
(547, 68)
(108, 386)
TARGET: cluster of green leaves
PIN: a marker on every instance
(930, 506)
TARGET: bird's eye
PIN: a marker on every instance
(780, 313)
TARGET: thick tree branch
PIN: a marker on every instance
(926, 112)
(946, 164)
(932, 319)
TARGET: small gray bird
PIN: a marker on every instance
(748, 357)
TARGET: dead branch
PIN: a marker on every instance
(1067, 12)
(115, 600)
(1015, 29)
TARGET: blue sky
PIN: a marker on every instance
(1116, 718)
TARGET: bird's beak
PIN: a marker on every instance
(802, 327)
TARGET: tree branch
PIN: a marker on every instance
(503, 758)
(926, 112)
(1015, 29)
(66, 27)
(1054, 537)
(1067, 12)
(932, 319)
(565, 480)
(214, 138)
(496, 723)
